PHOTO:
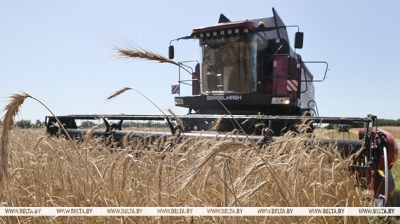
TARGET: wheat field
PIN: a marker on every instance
(49, 171)
(38, 170)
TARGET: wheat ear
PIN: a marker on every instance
(118, 92)
(8, 122)
(11, 110)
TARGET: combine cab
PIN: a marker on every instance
(250, 79)
(247, 68)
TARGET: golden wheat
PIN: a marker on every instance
(119, 92)
(47, 171)
(292, 171)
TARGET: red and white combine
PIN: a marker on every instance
(248, 75)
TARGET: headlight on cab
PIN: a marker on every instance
(178, 101)
(280, 100)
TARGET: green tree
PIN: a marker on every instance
(38, 123)
(388, 122)
(24, 124)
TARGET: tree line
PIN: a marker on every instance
(379, 122)
(29, 124)
(388, 122)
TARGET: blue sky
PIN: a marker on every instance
(57, 52)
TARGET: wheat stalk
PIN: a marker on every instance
(217, 123)
(159, 188)
(224, 177)
(195, 170)
(137, 52)
(118, 92)
(12, 110)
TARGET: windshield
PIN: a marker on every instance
(229, 64)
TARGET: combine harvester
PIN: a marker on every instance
(250, 79)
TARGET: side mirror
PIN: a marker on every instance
(171, 52)
(298, 40)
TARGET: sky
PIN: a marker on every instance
(59, 52)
